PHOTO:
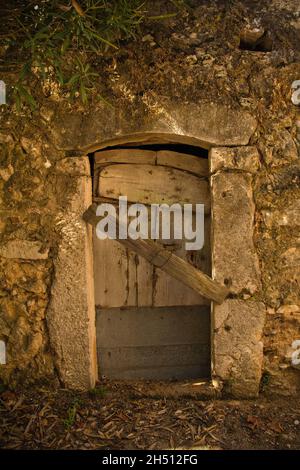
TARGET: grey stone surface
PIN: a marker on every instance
(71, 313)
(204, 124)
(237, 346)
(236, 158)
(23, 249)
(235, 261)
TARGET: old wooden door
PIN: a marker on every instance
(150, 325)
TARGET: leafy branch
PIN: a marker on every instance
(59, 41)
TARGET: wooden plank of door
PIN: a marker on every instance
(169, 291)
(196, 165)
(191, 163)
(122, 278)
(157, 255)
(111, 289)
(144, 281)
(136, 156)
(154, 343)
(153, 185)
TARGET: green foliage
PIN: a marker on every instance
(23, 96)
(71, 414)
(81, 80)
(98, 392)
(59, 38)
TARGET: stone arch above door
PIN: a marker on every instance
(205, 125)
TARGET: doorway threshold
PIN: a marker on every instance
(201, 389)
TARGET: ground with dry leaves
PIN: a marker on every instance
(120, 416)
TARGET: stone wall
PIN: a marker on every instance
(187, 88)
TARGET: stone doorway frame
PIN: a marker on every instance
(237, 324)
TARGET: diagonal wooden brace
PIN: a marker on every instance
(172, 264)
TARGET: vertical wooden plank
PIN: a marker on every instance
(201, 259)
(168, 291)
(122, 278)
(132, 284)
(144, 282)
(110, 273)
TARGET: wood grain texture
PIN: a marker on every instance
(110, 273)
(170, 291)
(154, 343)
(190, 163)
(156, 254)
(196, 165)
(134, 156)
(153, 185)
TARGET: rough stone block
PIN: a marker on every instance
(280, 150)
(74, 166)
(237, 345)
(5, 173)
(235, 261)
(291, 257)
(290, 312)
(289, 216)
(71, 313)
(237, 158)
(23, 249)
